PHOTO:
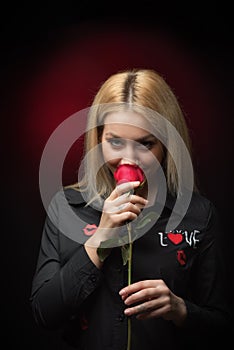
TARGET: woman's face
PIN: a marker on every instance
(126, 138)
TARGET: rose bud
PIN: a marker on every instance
(128, 173)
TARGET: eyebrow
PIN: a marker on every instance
(141, 139)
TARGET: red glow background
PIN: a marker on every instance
(65, 80)
(52, 65)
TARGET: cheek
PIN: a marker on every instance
(148, 161)
(109, 156)
(152, 158)
(158, 153)
(151, 161)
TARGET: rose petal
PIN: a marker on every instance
(128, 173)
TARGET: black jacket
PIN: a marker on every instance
(70, 292)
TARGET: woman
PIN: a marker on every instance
(176, 294)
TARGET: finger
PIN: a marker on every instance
(140, 296)
(113, 209)
(152, 306)
(132, 208)
(127, 187)
(135, 287)
(136, 310)
(125, 216)
(125, 207)
(125, 198)
(118, 220)
(155, 313)
(137, 200)
(125, 202)
(124, 188)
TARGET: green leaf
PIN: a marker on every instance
(147, 219)
(125, 253)
(103, 253)
(110, 243)
(105, 247)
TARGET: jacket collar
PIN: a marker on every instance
(74, 196)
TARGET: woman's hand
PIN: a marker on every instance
(122, 206)
(152, 298)
(119, 207)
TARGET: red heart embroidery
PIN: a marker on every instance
(89, 229)
(175, 238)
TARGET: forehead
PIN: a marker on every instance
(127, 119)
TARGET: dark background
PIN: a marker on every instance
(53, 60)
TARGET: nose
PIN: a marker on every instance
(129, 154)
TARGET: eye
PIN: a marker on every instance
(146, 145)
(116, 142)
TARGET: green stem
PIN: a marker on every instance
(129, 280)
(130, 264)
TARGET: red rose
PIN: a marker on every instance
(128, 173)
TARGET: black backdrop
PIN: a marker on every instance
(192, 47)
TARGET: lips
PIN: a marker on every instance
(181, 257)
(89, 229)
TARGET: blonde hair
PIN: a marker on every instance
(137, 87)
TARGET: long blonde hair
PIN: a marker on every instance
(138, 87)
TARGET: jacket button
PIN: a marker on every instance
(93, 278)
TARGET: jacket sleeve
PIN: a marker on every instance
(59, 290)
(208, 305)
